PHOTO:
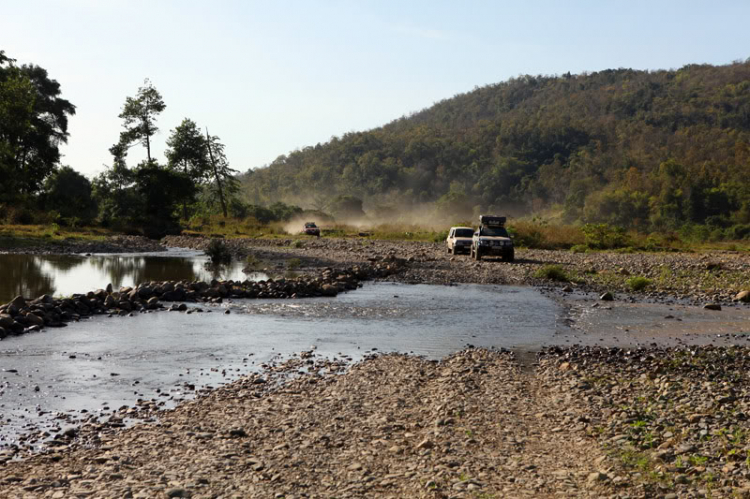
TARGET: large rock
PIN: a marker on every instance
(18, 302)
(6, 321)
(743, 296)
(607, 296)
(176, 295)
(34, 319)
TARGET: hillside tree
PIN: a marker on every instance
(139, 114)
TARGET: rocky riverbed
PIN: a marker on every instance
(576, 423)
(698, 278)
(21, 316)
(573, 422)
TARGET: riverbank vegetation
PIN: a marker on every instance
(617, 160)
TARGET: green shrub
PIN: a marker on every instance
(579, 248)
(294, 263)
(604, 236)
(553, 273)
(218, 252)
(297, 244)
(638, 283)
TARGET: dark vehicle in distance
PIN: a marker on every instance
(311, 229)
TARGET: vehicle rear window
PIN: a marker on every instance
(464, 232)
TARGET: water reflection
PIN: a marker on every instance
(22, 275)
(63, 275)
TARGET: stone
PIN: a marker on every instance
(712, 306)
(425, 444)
(34, 319)
(743, 296)
(6, 321)
(18, 302)
(178, 492)
(607, 296)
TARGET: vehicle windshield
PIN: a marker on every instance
(464, 233)
(494, 232)
(309, 225)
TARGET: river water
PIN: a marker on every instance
(110, 362)
(63, 275)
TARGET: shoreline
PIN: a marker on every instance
(581, 422)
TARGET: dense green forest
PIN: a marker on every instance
(652, 150)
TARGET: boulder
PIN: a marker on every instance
(152, 303)
(743, 296)
(18, 302)
(34, 320)
(607, 296)
(712, 306)
(175, 295)
(6, 321)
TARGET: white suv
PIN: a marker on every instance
(459, 239)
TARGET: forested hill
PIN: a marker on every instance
(652, 149)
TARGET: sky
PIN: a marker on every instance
(274, 76)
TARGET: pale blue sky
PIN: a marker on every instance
(270, 77)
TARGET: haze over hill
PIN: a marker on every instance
(650, 149)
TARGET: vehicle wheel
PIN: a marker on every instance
(477, 255)
(510, 258)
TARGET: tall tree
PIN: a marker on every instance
(223, 182)
(188, 153)
(139, 114)
(33, 124)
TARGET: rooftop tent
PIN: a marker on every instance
(491, 221)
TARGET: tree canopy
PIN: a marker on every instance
(33, 124)
(139, 117)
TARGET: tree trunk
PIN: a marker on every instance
(216, 175)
